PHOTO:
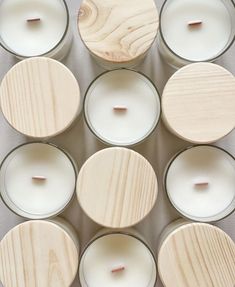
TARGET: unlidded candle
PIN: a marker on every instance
(200, 183)
(195, 30)
(39, 253)
(122, 107)
(35, 27)
(117, 258)
(37, 180)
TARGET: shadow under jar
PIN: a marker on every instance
(40, 97)
(196, 254)
(122, 107)
(37, 180)
(195, 31)
(200, 183)
(39, 253)
(118, 33)
(30, 28)
(116, 258)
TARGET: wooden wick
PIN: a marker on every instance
(39, 177)
(118, 269)
(202, 184)
(119, 108)
(195, 23)
(33, 20)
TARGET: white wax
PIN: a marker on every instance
(36, 38)
(115, 250)
(196, 43)
(202, 164)
(122, 88)
(37, 198)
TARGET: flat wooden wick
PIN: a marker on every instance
(119, 108)
(201, 184)
(39, 177)
(195, 23)
(118, 269)
(33, 20)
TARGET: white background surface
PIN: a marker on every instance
(80, 143)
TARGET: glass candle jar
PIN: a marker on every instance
(118, 33)
(117, 258)
(40, 97)
(122, 107)
(200, 183)
(39, 253)
(196, 254)
(195, 31)
(30, 28)
(37, 180)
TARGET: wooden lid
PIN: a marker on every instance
(40, 97)
(38, 254)
(197, 254)
(198, 103)
(117, 187)
(118, 30)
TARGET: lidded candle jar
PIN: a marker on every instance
(122, 107)
(40, 97)
(196, 254)
(200, 183)
(37, 180)
(30, 28)
(118, 33)
(117, 187)
(198, 103)
(117, 258)
(195, 31)
(38, 254)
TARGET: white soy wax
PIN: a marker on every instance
(35, 27)
(122, 107)
(200, 183)
(196, 30)
(117, 260)
(37, 180)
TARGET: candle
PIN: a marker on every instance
(124, 183)
(122, 107)
(38, 254)
(40, 97)
(118, 33)
(117, 258)
(196, 254)
(195, 30)
(37, 180)
(198, 103)
(200, 182)
(35, 27)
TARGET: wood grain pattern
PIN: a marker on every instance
(117, 187)
(38, 254)
(40, 97)
(118, 31)
(198, 103)
(197, 255)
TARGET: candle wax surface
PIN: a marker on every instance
(113, 251)
(35, 38)
(37, 197)
(128, 89)
(201, 42)
(201, 164)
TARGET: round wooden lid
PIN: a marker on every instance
(198, 103)
(40, 97)
(117, 187)
(118, 30)
(38, 254)
(197, 254)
